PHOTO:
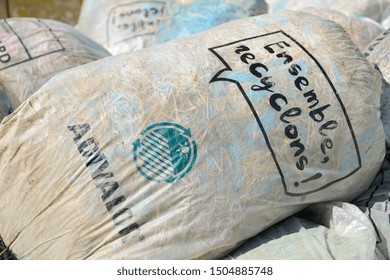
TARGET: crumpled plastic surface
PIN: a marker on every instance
(186, 17)
(323, 231)
(377, 53)
(184, 150)
(33, 50)
(361, 29)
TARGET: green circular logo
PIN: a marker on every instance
(164, 152)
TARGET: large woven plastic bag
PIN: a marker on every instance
(361, 29)
(184, 150)
(330, 230)
(120, 26)
(375, 201)
(185, 17)
(33, 50)
(375, 204)
(368, 8)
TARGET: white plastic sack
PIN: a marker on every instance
(120, 26)
(368, 8)
(326, 231)
(375, 204)
(185, 17)
(361, 29)
(34, 50)
(378, 54)
(184, 150)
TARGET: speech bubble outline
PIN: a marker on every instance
(218, 77)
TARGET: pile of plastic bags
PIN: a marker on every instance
(218, 130)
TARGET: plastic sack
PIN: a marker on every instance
(185, 17)
(183, 150)
(375, 204)
(34, 50)
(120, 26)
(367, 8)
(361, 29)
(326, 231)
(377, 53)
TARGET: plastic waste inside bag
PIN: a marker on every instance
(326, 231)
(186, 149)
(186, 17)
(33, 50)
(120, 26)
(361, 29)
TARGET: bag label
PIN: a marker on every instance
(131, 20)
(164, 152)
(106, 184)
(297, 108)
(31, 40)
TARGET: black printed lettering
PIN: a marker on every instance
(296, 102)
(241, 49)
(291, 131)
(329, 125)
(326, 144)
(154, 11)
(95, 158)
(98, 173)
(311, 97)
(290, 113)
(297, 144)
(128, 229)
(108, 188)
(123, 214)
(4, 56)
(318, 114)
(280, 44)
(88, 147)
(301, 81)
(285, 55)
(79, 131)
(267, 85)
(302, 162)
(253, 69)
(244, 58)
(293, 69)
(273, 101)
(114, 202)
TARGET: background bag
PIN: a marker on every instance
(185, 17)
(34, 50)
(120, 26)
(323, 231)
